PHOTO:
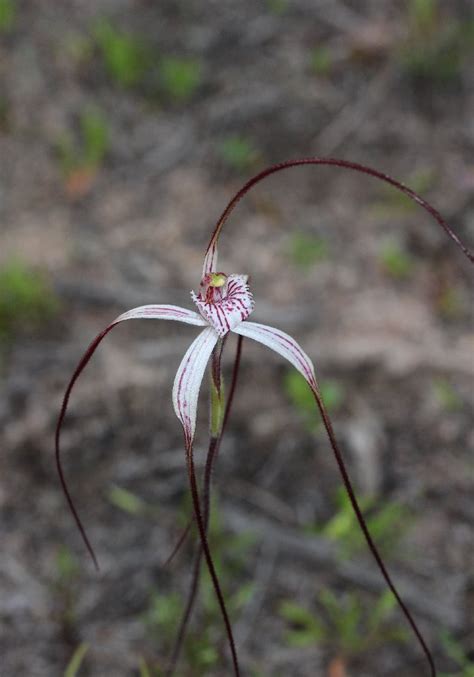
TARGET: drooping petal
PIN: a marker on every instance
(281, 343)
(187, 382)
(231, 308)
(157, 312)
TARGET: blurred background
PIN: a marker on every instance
(125, 127)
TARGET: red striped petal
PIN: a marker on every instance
(162, 312)
(188, 379)
(281, 343)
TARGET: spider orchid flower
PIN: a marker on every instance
(224, 304)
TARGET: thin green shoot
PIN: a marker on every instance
(395, 260)
(238, 153)
(306, 249)
(8, 12)
(125, 56)
(27, 299)
(76, 661)
(179, 77)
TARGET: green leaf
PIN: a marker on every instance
(76, 661)
(163, 616)
(447, 395)
(238, 153)
(309, 630)
(395, 260)
(180, 77)
(333, 394)
(456, 652)
(299, 393)
(66, 564)
(321, 61)
(26, 298)
(126, 501)
(305, 250)
(382, 609)
(295, 613)
(95, 137)
(7, 15)
(126, 58)
(243, 595)
(143, 667)
(349, 623)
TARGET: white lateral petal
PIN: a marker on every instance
(187, 382)
(281, 343)
(162, 312)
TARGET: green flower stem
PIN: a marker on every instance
(217, 409)
(217, 393)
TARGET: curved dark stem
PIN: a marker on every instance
(207, 553)
(214, 445)
(80, 367)
(192, 594)
(363, 525)
(345, 164)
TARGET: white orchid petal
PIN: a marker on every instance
(162, 312)
(281, 343)
(187, 382)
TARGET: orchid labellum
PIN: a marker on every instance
(224, 303)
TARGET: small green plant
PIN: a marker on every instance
(345, 625)
(436, 48)
(179, 77)
(7, 15)
(450, 303)
(300, 396)
(388, 524)
(321, 61)
(79, 47)
(143, 668)
(64, 585)
(26, 299)
(4, 114)
(76, 661)
(126, 58)
(238, 153)
(80, 158)
(395, 261)
(305, 249)
(127, 501)
(67, 567)
(455, 651)
(446, 395)
(278, 7)
(423, 13)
